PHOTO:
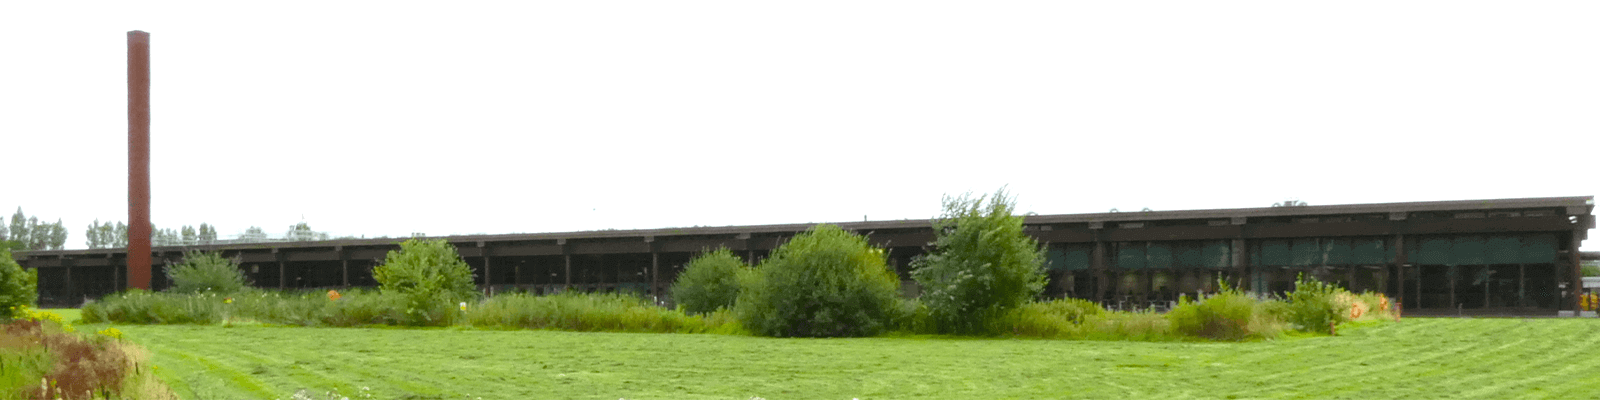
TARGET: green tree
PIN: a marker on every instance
(982, 264)
(19, 226)
(5, 232)
(18, 287)
(121, 235)
(709, 282)
(208, 233)
(93, 235)
(58, 235)
(825, 282)
(190, 236)
(430, 275)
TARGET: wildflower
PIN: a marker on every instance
(463, 306)
(333, 295)
(227, 300)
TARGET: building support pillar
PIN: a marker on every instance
(1098, 263)
(1241, 265)
(1522, 285)
(655, 274)
(283, 276)
(1400, 269)
(568, 275)
(1576, 272)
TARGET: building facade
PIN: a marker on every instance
(1503, 256)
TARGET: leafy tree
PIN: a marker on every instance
(982, 264)
(430, 275)
(254, 234)
(208, 233)
(190, 236)
(709, 282)
(19, 226)
(206, 272)
(4, 231)
(58, 235)
(93, 235)
(824, 282)
(120, 238)
(18, 287)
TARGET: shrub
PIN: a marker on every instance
(825, 282)
(1227, 315)
(709, 282)
(19, 288)
(1590, 269)
(432, 277)
(206, 271)
(1314, 306)
(582, 312)
(1061, 318)
(982, 266)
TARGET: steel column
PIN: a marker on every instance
(655, 274)
(1400, 265)
(1576, 272)
(568, 275)
(139, 159)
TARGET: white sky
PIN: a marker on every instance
(386, 118)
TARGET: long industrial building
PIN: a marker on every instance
(1502, 256)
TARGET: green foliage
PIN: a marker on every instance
(587, 312)
(983, 264)
(1227, 315)
(1061, 318)
(19, 288)
(1591, 269)
(431, 275)
(710, 282)
(1314, 306)
(825, 282)
(206, 272)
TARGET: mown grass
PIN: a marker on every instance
(1416, 358)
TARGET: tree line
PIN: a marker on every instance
(28, 233)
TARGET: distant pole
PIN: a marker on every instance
(138, 160)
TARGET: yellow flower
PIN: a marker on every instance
(463, 306)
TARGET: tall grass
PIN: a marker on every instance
(592, 312)
(577, 312)
(1228, 315)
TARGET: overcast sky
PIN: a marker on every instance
(387, 118)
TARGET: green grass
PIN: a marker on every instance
(1417, 358)
(71, 315)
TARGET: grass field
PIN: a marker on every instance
(1417, 358)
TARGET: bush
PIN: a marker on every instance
(1062, 318)
(19, 288)
(982, 266)
(206, 272)
(432, 277)
(825, 282)
(1227, 315)
(710, 282)
(1591, 269)
(584, 312)
(1314, 306)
